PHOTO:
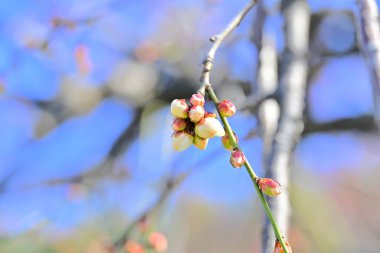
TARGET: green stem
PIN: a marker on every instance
(249, 169)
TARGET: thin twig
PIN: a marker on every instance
(217, 40)
(207, 88)
(369, 32)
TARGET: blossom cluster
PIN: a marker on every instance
(193, 124)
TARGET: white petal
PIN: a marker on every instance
(181, 141)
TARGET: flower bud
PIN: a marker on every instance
(200, 142)
(179, 124)
(210, 115)
(226, 108)
(227, 144)
(133, 247)
(197, 99)
(237, 158)
(158, 242)
(196, 113)
(269, 186)
(181, 140)
(179, 108)
(278, 247)
(208, 128)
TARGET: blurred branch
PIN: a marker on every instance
(129, 134)
(6, 179)
(118, 148)
(364, 123)
(254, 100)
(60, 22)
(369, 32)
(260, 15)
(266, 76)
(170, 185)
(293, 81)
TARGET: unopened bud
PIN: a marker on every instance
(179, 108)
(226, 108)
(269, 186)
(208, 128)
(279, 249)
(226, 141)
(158, 242)
(133, 247)
(200, 142)
(181, 140)
(197, 99)
(179, 124)
(237, 158)
(196, 113)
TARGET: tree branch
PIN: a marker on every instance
(207, 88)
(217, 40)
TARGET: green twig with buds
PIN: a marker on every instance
(207, 88)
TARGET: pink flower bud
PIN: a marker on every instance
(179, 124)
(200, 142)
(197, 99)
(158, 242)
(210, 115)
(208, 128)
(278, 247)
(196, 113)
(237, 158)
(181, 140)
(133, 247)
(226, 108)
(269, 186)
(179, 108)
(227, 144)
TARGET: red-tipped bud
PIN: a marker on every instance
(200, 142)
(208, 128)
(181, 141)
(278, 248)
(179, 108)
(179, 124)
(196, 113)
(133, 247)
(226, 108)
(227, 144)
(197, 99)
(237, 158)
(210, 115)
(158, 242)
(269, 186)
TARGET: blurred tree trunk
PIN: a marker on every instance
(369, 34)
(292, 90)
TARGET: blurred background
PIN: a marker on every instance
(85, 144)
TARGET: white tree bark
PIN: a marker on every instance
(369, 35)
(293, 80)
